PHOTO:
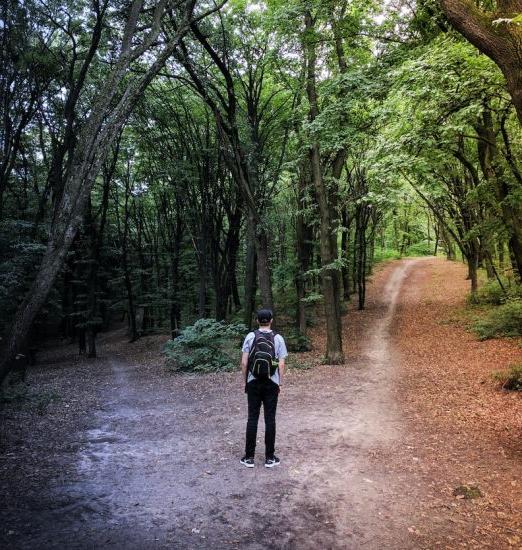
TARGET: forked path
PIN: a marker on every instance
(158, 466)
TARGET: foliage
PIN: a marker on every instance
(422, 248)
(510, 379)
(383, 254)
(18, 394)
(297, 342)
(504, 320)
(205, 346)
(467, 492)
(300, 365)
(166, 236)
(490, 293)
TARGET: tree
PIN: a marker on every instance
(236, 85)
(87, 148)
(329, 279)
(496, 33)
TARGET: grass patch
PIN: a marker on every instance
(467, 491)
(502, 321)
(383, 254)
(422, 248)
(300, 365)
(510, 379)
(18, 396)
(492, 294)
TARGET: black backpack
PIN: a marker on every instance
(261, 360)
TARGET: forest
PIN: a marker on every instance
(162, 164)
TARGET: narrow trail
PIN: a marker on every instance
(158, 465)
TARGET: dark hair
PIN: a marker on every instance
(264, 316)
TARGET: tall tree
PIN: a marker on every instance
(329, 285)
(86, 149)
(496, 33)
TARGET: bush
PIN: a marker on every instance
(297, 342)
(491, 293)
(382, 254)
(420, 249)
(503, 320)
(18, 395)
(510, 379)
(205, 346)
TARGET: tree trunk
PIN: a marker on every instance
(500, 253)
(334, 347)
(473, 273)
(201, 256)
(175, 249)
(437, 235)
(231, 252)
(263, 269)
(96, 242)
(304, 236)
(250, 271)
(494, 173)
(345, 246)
(502, 42)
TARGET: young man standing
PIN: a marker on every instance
(262, 389)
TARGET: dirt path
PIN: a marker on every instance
(157, 464)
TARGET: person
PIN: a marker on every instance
(261, 390)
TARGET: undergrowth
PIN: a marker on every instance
(498, 310)
(510, 379)
(19, 396)
(206, 346)
(504, 320)
(296, 341)
(491, 293)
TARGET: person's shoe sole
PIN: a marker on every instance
(247, 465)
(272, 465)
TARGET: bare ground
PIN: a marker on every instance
(130, 456)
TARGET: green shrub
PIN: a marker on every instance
(510, 379)
(420, 249)
(382, 254)
(13, 392)
(297, 342)
(18, 396)
(206, 346)
(490, 293)
(503, 320)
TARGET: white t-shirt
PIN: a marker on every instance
(280, 351)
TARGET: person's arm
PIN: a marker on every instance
(247, 344)
(281, 354)
(281, 371)
(244, 363)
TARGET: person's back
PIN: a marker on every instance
(263, 366)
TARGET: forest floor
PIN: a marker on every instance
(120, 453)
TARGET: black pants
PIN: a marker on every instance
(265, 392)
